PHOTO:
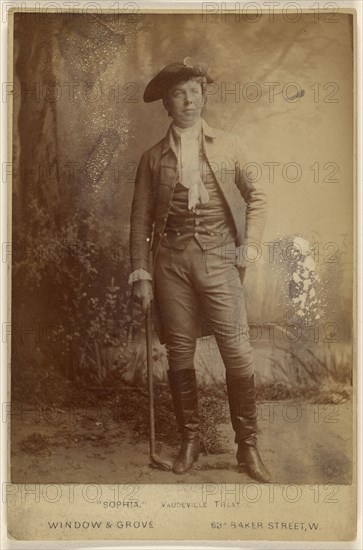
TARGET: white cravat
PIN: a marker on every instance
(187, 146)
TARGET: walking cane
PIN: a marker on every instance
(155, 460)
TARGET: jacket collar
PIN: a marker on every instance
(208, 131)
(168, 142)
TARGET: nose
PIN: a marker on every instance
(188, 98)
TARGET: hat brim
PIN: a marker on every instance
(168, 77)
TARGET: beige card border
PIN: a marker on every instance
(22, 514)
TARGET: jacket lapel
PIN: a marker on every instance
(213, 152)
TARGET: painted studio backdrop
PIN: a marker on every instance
(79, 128)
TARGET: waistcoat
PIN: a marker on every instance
(211, 224)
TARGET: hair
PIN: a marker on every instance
(201, 79)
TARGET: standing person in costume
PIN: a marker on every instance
(194, 213)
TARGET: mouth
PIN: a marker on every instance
(189, 110)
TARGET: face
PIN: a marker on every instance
(185, 102)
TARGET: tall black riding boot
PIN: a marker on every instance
(242, 405)
(183, 385)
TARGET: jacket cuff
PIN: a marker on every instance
(139, 275)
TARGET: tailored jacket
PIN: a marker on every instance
(156, 178)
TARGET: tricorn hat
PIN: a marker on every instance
(170, 75)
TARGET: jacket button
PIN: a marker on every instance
(197, 222)
(178, 233)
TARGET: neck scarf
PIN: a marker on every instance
(188, 142)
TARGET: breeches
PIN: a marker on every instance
(200, 292)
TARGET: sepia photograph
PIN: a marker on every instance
(182, 250)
